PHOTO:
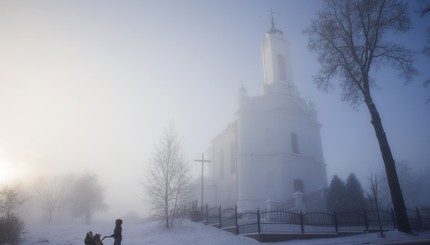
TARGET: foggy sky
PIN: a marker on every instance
(89, 86)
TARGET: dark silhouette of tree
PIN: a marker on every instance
(11, 226)
(423, 11)
(354, 196)
(336, 195)
(87, 197)
(425, 8)
(351, 39)
(167, 182)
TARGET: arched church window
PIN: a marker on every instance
(299, 185)
(281, 67)
(294, 143)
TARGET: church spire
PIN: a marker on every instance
(273, 30)
(273, 21)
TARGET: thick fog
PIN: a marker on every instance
(87, 87)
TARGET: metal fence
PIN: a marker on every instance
(282, 221)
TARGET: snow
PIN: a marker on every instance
(187, 232)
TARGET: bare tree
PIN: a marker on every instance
(350, 38)
(168, 178)
(52, 195)
(51, 201)
(11, 198)
(373, 194)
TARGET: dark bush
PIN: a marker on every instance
(11, 229)
(196, 216)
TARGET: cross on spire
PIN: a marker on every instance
(271, 15)
(273, 29)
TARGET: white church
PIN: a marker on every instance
(271, 156)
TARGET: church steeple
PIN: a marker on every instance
(273, 30)
(277, 62)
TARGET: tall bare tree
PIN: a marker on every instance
(351, 39)
(168, 177)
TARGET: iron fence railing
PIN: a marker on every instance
(296, 222)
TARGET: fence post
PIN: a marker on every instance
(220, 218)
(366, 221)
(419, 219)
(235, 214)
(207, 214)
(336, 225)
(393, 218)
(302, 228)
(258, 221)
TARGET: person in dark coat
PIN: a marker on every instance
(117, 232)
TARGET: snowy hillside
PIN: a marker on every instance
(184, 233)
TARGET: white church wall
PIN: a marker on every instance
(268, 164)
(223, 169)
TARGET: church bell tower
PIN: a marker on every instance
(270, 156)
(278, 75)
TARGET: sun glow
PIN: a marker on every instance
(6, 172)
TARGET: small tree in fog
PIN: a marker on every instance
(346, 197)
(51, 201)
(87, 197)
(168, 177)
(11, 198)
(52, 195)
(374, 197)
(336, 194)
(354, 195)
(352, 40)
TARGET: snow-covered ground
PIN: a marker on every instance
(186, 232)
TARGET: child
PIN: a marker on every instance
(117, 232)
(97, 240)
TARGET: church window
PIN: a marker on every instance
(232, 158)
(299, 185)
(294, 143)
(281, 68)
(221, 164)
